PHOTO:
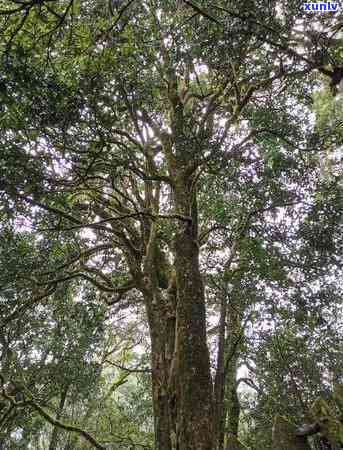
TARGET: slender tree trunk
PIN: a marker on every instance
(162, 331)
(233, 346)
(160, 307)
(227, 407)
(158, 287)
(219, 384)
(233, 406)
(161, 404)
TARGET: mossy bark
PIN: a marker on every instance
(189, 385)
(330, 425)
(338, 397)
(160, 308)
(234, 444)
(192, 365)
(285, 438)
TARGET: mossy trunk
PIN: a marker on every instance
(192, 363)
(234, 444)
(285, 438)
(330, 424)
(190, 377)
(163, 425)
(161, 318)
(233, 407)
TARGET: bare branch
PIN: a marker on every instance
(127, 369)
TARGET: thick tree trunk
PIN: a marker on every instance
(188, 390)
(191, 361)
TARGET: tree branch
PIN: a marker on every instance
(71, 428)
(202, 12)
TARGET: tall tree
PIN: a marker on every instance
(115, 117)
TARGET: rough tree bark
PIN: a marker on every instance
(176, 316)
(182, 383)
(162, 334)
(160, 306)
(192, 366)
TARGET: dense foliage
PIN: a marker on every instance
(170, 221)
